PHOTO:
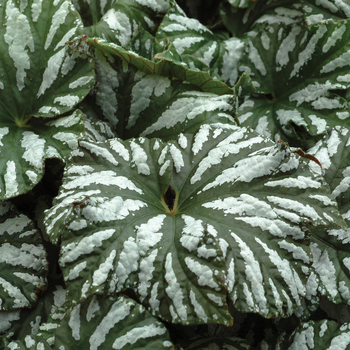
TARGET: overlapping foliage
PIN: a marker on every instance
(186, 199)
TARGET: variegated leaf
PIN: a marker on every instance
(294, 70)
(331, 249)
(111, 323)
(190, 37)
(23, 264)
(182, 222)
(40, 75)
(151, 105)
(24, 150)
(124, 17)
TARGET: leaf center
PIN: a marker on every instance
(169, 198)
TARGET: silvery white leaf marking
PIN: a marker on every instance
(67, 121)
(287, 45)
(119, 310)
(177, 158)
(200, 138)
(104, 210)
(209, 54)
(15, 256)
(181, 44)
(148, 235)
(72, 251)
(19, 300)
(101, 273)
(29, 278)
(286, 116)
(249, 298)
(51, 71)
(344, 183)
(6, 319)
(324, 199)
(276, 295)
(14, 225)
(146, 273)
(156, 5)
(247, 169)
(58, 18)
(302, 182)
(153, 301)
(120, 149)
(215, 299)
(192, 232)
(128, 262)
(184, 24)
(253, 274)
(142, 92)
(337, 34)
(68, 138)
(286, 272)
(75, 271)
(107, 178)
(164, 167)
(80, 82)
(254, 56)
(3, 132)
(204, 273)
(18, 37)
(245, 204)
(182, 141)
(79, 170)
(325, 269)
(67, 100)
(34, 149)
(198, 308)
(132, 336)
(77, 225)
(10, 178)
(307, 53)
(342, 235)
(99, 151)
(92, 308)
(303, 210)
(139, 158)
(297, 251)
(120, 24)
(223, 149)
(174, 290)
(74, 322)
(36, 9)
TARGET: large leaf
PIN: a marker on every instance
(150, 104)
(111, 323)
(24, 150)
(40, 75)
(233, 216)
(23, 264)
(294, 70)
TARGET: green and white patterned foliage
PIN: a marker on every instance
(239, 222)
(23, 264)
